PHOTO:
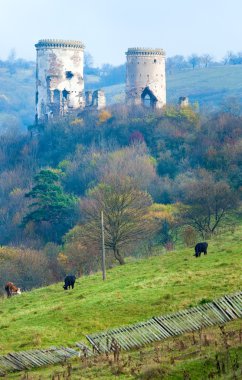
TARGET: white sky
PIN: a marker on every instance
(109, 27)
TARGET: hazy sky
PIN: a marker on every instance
(109, 27)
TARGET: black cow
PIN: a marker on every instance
(70, 280)
(201, 247)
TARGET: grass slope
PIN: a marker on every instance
(207, 86)
(210, 87)
(17, 97)
(139, 290)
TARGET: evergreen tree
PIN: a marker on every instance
(52, 210)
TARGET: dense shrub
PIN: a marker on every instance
(24, 267)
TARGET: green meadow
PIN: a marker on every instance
(140, 289)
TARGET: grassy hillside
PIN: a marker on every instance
(17, 97)
(207, 86)
(210, 87)
(139, 290)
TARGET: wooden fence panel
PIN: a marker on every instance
(220, 311)
(209, 314)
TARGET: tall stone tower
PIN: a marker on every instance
(59, 78)
(146, 77)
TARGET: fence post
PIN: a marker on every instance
(103, 248)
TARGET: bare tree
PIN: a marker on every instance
(206, 59)
(227, 57)
(177, 62)
(125, 210)
(133, 162)
(208, 202)
(194, 60)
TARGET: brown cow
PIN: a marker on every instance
(11, 289)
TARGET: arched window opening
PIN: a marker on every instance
(147, 101)
(56, 96)
(148, 98)
(65, 94)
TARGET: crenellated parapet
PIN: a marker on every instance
(145, 51)
(52, 43)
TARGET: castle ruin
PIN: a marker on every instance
(145, 77)
(59, 80)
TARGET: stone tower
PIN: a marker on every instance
(59, 78)
(146, 77)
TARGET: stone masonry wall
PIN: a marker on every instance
(59, 78)
(145, 77)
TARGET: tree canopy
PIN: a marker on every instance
(50, 204)
(125, 212)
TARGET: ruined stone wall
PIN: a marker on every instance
(95, 99)
(59, 78)
(183, 101)
(98, 99)
(145, 77)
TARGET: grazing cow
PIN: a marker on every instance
(11, 289)
(69, 281)
(201, 247)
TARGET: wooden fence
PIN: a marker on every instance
(220, 311)
(217, 312)
(24, 360)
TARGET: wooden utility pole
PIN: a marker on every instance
(103, 248)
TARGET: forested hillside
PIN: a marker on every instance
(161, 178)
